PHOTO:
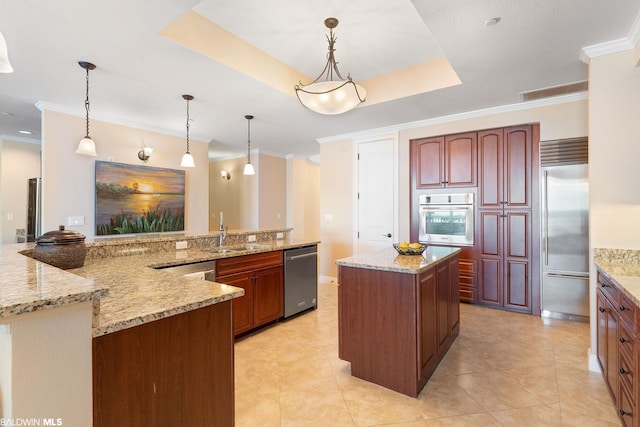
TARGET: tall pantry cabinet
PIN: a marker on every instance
(507, 166)
(500, 270)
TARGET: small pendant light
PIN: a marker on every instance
(248, 168)
(187, 158)
(86, 146)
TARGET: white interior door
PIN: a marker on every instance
(376, 195)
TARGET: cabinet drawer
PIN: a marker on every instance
(626, 409)
(627, 308)
(626, 339)
(467, 294)
(248, 262)
(626, 370)
(467, 266)
(608, 289)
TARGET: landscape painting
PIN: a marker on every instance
(138, 199)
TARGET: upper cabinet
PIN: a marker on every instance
(504, 164)
(445, 161)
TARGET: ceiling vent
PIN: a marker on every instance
(554, 91)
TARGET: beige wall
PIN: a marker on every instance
(557, 121)
(19, 161)
(336, 204)
(614, 151)
(68, 180)
(303, 194)
(248, 202)
(233, 197)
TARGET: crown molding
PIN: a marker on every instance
(614, 46)
(562, 99)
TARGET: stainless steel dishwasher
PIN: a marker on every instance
(202, 270)
(300, 279)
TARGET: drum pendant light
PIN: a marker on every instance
(86, 146)
(187, 158)
(248, 168)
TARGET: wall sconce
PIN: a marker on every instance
(225, 175)
(145, 153)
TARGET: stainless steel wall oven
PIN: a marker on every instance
(446, 219)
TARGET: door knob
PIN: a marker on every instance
(387, 235)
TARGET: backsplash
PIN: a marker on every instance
(617, 255)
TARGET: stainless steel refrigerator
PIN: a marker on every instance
(565, 230)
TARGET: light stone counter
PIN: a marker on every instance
(119, 275)
(623, 268)
(27, 285)
(390, 260)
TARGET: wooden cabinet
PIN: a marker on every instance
(174, 371)
(505, 167)
(445, 161)
(261, 277)
(505, 259)
(468, 275)
(386, 341)
(618, 349)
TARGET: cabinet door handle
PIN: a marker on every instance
(604, 285)
(623, 371)
(623, 340)
(622, 308)
(622, 412)
(601, 309)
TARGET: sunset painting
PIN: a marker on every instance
(138, 199)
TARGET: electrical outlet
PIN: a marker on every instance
(251, 238)
(279, 235)
(75, 220)
(181, 244)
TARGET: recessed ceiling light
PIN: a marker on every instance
(24, 132)
(493, 21)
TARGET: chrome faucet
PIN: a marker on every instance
(222, 234)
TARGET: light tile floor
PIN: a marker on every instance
(504, 369)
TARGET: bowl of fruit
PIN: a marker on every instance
(405, 248)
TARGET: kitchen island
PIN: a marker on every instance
(158, 346)
(398, 315)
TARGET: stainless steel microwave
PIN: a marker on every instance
(446, 219)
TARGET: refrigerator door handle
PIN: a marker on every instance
(545, 220)
(584, 276)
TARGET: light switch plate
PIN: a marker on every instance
(181, 244)
(251, 238)
(279, 235)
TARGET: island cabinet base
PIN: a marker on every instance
(176, 371)
(395, 328)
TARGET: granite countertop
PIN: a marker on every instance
(130, 290)
(623, 268)
(388, 259)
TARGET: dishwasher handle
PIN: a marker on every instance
(294, 257)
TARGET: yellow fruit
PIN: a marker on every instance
(403, 245)
(415, 245)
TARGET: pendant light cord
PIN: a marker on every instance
(248, 140)
(86, 104)
(188, 126)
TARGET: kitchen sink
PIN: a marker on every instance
(247, 247)
(223, 250)
(250, 247)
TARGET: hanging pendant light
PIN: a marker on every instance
(5, 65)
(187, 158)
(329, 96)
(248, 168)
(86, 146)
